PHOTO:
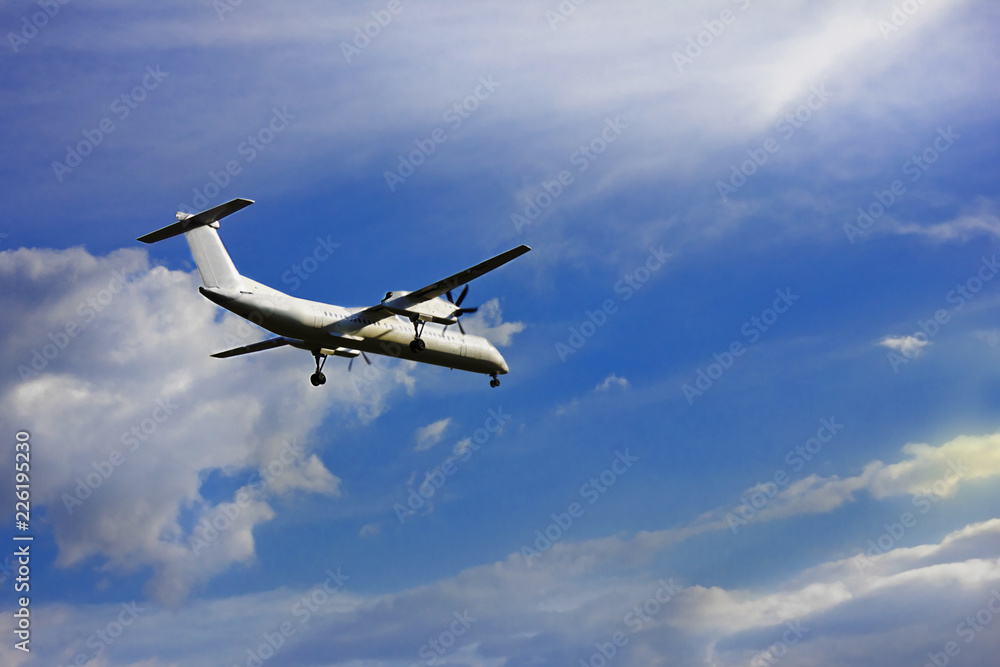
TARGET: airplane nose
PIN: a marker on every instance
(500, 362)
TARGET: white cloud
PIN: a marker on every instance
(909, 346)
(430, 435)
(913, 597)
(990, 336)
(982, 221)
(927, 470)
(488, 323)
(131, 404)
(370, 530)
(612, 381)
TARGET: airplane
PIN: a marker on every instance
(394, 327)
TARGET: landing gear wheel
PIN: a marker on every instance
(417, 344)
(494, 382)
(318, 378)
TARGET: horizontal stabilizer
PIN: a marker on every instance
(198, 220)
(268, 344)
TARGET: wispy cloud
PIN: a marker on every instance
(430, 435)
(558, 612)
(983, 222)
(610, 382)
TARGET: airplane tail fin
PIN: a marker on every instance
(214, 264)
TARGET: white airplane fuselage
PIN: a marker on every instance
(326, 327)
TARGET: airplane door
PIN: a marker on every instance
(463, 348)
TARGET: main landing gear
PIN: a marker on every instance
(318, 378)
(495, 382)
(417, 344)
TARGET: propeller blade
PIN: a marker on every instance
(459, 311)
(350, 364)
(461, 297)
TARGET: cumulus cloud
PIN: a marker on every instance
(109, 371)
(430, 435)
(488, 323)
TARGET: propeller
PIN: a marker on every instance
(351, 362)
(459, 311)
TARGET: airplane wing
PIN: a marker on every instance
(268, 344)
(466, 276)
(401, 304)
(271, 343)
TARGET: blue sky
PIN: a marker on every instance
(755, 429)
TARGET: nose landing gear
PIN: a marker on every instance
(495, 382)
